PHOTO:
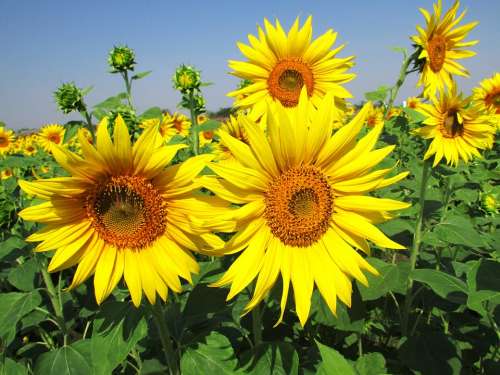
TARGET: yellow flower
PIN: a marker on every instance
(6, 173)
(457, 128)
(29, 148)
(201, 119)
(490, 203)
(50, 135)
(413, 102)
(122, 214)
(375, 117)
(441, 44)
(488, 94)
(6, 140)
(304, 208)
(394, 112)
(280, 64)
(170, 125)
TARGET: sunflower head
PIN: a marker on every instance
(69, 98)
(458, 128)
(412, 102)
(121, 59)
(186, 78)
(375, 117)
(490, 203)
(6, 173)
(439, 44)
(488, 94)
(123, 213)
(51, 135)
(304, 208)
(7, 140)
(279, 65)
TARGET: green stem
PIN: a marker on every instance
(128, 86)
(88, 120)
(166, 341)
(55, 300)
(257, 325)
(194, 124)
(417, 239)
(402, 75)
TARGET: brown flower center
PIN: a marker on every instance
(127, 212)
(54, 138)
(493, 100)
(452, 127)
(4, 141)
(299, 206)
(286, 80)
(178, 124)
(437, 52)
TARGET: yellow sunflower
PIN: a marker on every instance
(413, 102)
(6, 140)
(280, 64)
(29, 148)
(441, 44)
(50, 135)
(488, 94)
(170, 125)
(375, 117)
(6, 173)
(393, 112)
(304, 208)
(121, 213)
(457, 128)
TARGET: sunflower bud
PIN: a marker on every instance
(69, 98)
(186, 78)
(490, 203)
(121, 59)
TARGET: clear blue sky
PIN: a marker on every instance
(45, 43)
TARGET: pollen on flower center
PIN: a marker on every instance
(127, 212)
(3, 141)
(54, 138)
(452, 126)
(287, 79)
(299, 206)
(437, 52)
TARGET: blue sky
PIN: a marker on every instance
(45, 43)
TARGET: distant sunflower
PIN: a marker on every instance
(280, 64)
(375, 117)
(6, 140)
(304, 207)
(50, 135)
(488, 94)
(457, 128)
(441, 44)
(121, 213)
(29, 148)
(6, 173)
(170, 125)
(413, 102)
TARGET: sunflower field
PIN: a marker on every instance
(300, 231)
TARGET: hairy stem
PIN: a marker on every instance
(257, 325)
(165, 338)
(194, 124)
(402, 75)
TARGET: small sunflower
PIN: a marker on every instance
(393, 112)
(304, 208)
(280, 64)
(170, 125)
(412, 102)
(29, 148)
(122, 214)
(50, 135)
(7, 139)
(488, 94)
(458, 129)
(6, 173)
(375, 117)
(441, 44)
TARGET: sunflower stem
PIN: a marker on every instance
(88, 120)
(417, 239)
(128, 86)
(194, 124)
(257, 325)
(55, 299)
(402, 75)
(165, 338)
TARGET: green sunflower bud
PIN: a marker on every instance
(69, 98)
(121, 59)
(490, 203)
(186, 78)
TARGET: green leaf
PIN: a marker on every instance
(141, 75)
(379, 286)
(24, 275)
(443, 284)
(414, 116)
(11, 244)
(483, 281)
(333, 362)
(71, 128)
(117, 329)
(380, 94)
(68, 360)
(10, 367)
(13, 306)
(209, 125)
(152, 113)
(274, 358)
(459, 231)
(213, 356)
(371, 364)
(112, 102)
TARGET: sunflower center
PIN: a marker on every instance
(452, 126)
(493, 100)
(299, 206)
(55, 138)
(178, 125)
(287, 79)
(437, 52)
(127, 212)
(3, 141)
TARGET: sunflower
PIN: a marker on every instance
(29, 148)
(304, 208)
(170, 125)
(279, 65)
(6, 140)
(121, 213)
(458, 129)
(50, 135)
(6, 173)
(441, 44)
(412, 102)
(393, 112)
(375, 117)
(488, 94)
